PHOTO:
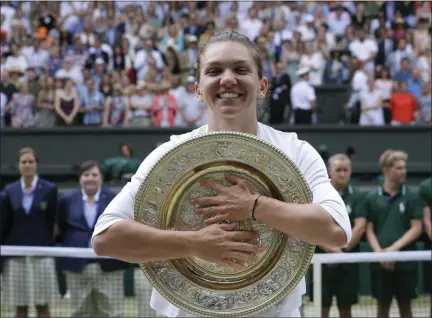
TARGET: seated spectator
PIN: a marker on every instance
(404, 51)
(16, 60)
(46, 115)
(22, 108)
(139, 106)
(424, 102)
(423, 63)
(66, 104)
(371, 106)
(70, 71)
(121, 167)
(93, 105)
(403, 105)
(115, 108)
(164, 108)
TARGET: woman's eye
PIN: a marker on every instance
(212, 72)
(242, 70)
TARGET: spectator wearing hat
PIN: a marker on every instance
(189, 56)
(16, 60)
(191, 111)
(303, 98)
(164, 109)
(68, 70)
(139, 106)
(115, 108)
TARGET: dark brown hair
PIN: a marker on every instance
(232, 36)
(26, 150)
(87, 165)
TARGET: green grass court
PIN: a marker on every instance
(366, 308)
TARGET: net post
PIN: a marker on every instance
(317, 286)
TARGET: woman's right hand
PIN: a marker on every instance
(222, 244)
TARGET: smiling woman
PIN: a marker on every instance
(230, 83)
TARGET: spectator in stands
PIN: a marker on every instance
(414, 83)
(425, 193)
(385, 85)
(358, 86)
(139, 106)
(22, 108)
(27, 219)
(164, 108)
(16, 60)
(191, 111)
(341, 280)
(3, 103)
(314, 60)
(403, 105)
(425, 107)
(335, 69)
(365, 50)
(66, 104)
(280, 98)
(95, 285)
(115, 108)
(403, 73)
(371, 106)
(93, 105)
(46, 115)
(394, 215)
(303, 99)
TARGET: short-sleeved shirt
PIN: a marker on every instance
(303, 155)
(425, 194)
(392, 216)
(352, 198)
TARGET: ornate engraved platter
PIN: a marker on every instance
(163, 201)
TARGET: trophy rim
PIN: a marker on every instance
(308, 249)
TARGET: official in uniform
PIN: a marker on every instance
(96, 285)
(303, 98)
(394, 215)
(425, 193)
(341, 280)
(27, 219)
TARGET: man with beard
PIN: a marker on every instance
(394, 215)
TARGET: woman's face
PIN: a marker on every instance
(229, 83)
(50, 82)
(91, 180)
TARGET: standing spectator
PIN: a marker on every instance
(191, 111)
(46, 116)
(66, 104)
(335, 70)
(385, 85)
(425, 193)
(93, 105)
(303, 99)
(280, 100)
(22, 108)
(27, 219)
(414, 83)
(115, 108)
(16, 60)
(36, 56)
(164, 108)
(90, 281)
(425, 105)
(358, 86)
(342, 280)
(365, 50)
(252, 24)
(371, 106)
(403, 105)
(394, 215)
(3, 103)
(314, 60)
(139, 106)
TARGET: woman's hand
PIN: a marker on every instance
(222, 244)
(233, 203)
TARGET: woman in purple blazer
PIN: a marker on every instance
(27, 219)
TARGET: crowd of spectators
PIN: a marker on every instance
(132, 63)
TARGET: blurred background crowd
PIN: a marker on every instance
(132, 63)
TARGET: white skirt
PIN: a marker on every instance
(29, 281)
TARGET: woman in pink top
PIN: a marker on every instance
(164, 108)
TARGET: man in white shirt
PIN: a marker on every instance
(365, 50)
(303, 98)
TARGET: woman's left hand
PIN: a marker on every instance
(232, 203)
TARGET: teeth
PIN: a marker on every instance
(229, 95)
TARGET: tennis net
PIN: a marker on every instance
(33, 276)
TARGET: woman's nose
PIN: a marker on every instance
(228, 78)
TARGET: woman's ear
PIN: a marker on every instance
(198, 92)
(264, 84)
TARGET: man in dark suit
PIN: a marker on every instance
(95, 285)
(280, 101)
(28, 208)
